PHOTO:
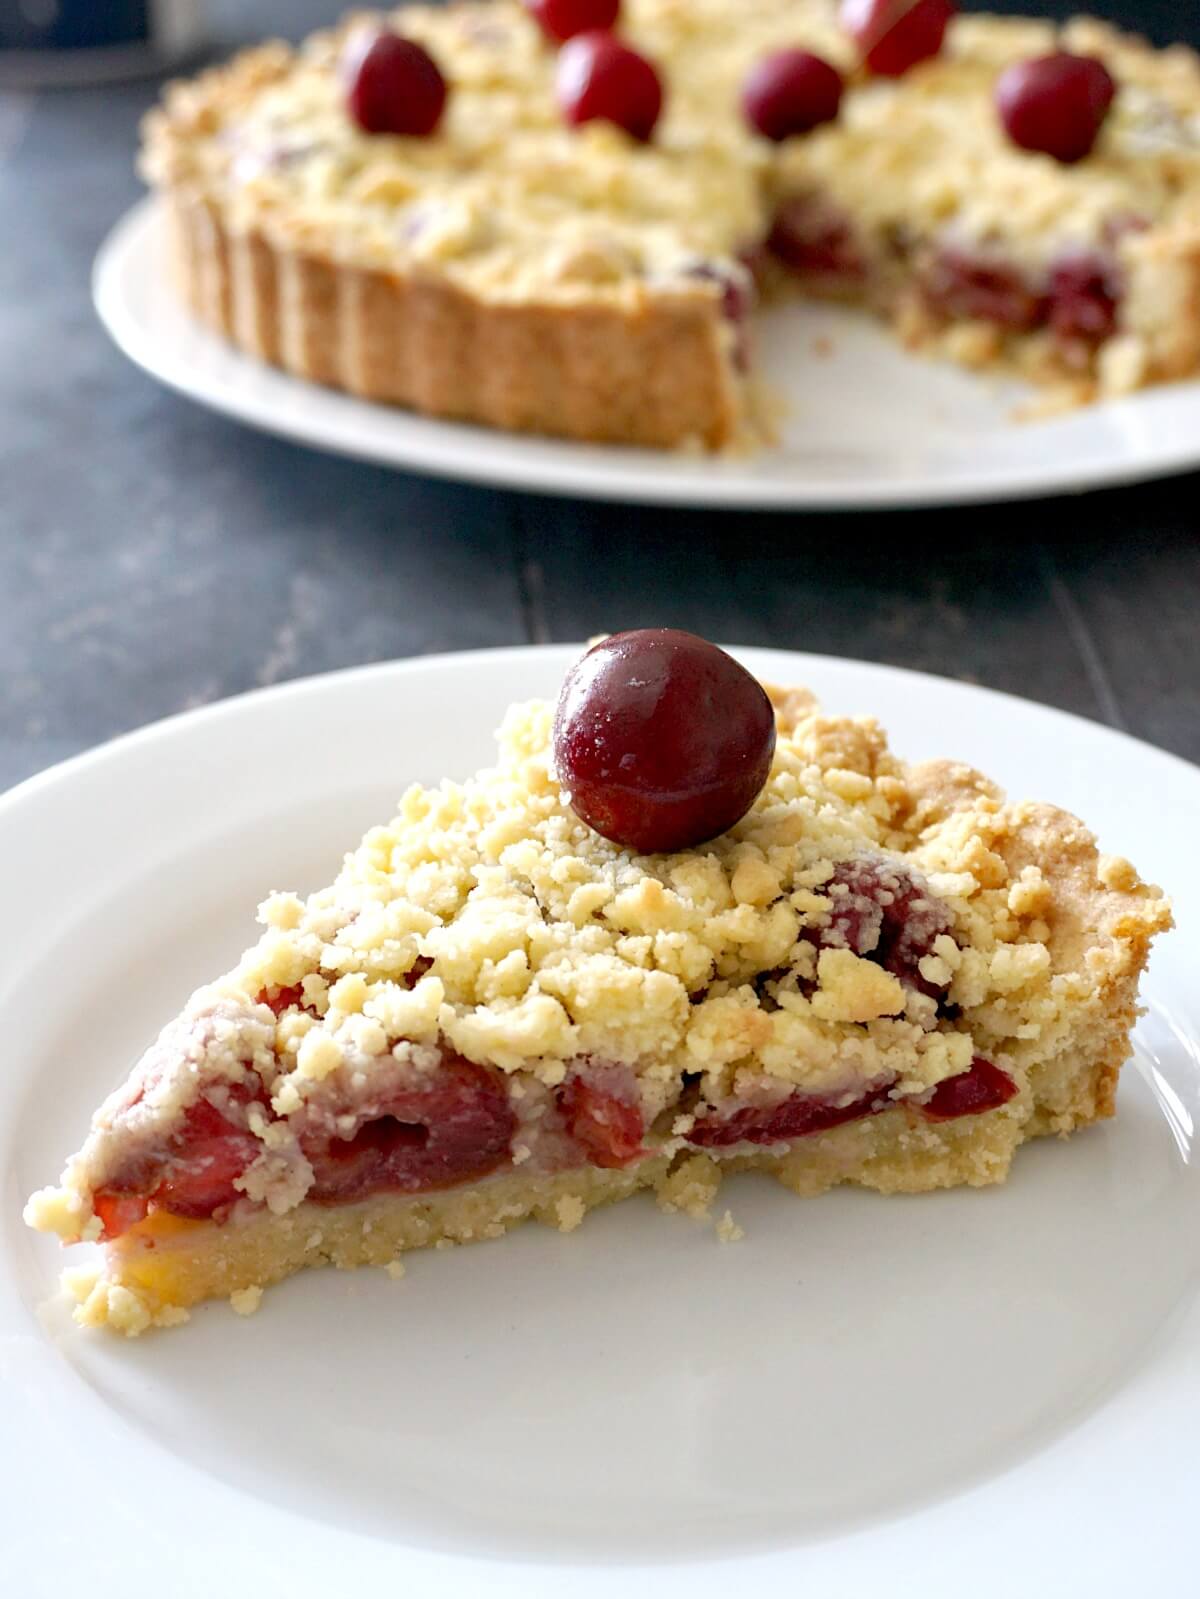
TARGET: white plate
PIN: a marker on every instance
(867, 424)
(988, 1390)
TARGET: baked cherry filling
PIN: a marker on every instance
(1085, 290)
(455, 1127)
(1078, 299)
(793, 1117)
(606, 1124)
(978, 286)
(980, 1088)
(885, 912)
(194, 1174)
(737, 301)
(282, 998)
(812, 238)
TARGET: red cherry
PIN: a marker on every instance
(894, 35)
(192, 1175)
(790, 92)
(392, 85)
(795, 1117)
(1085, 291)
(981, 1087)
(563, 19)
(118, 1212)
(810, 236)
(282, 999)
(609, 1127)
(661, 740)
(1056, 104)
(457, 1124)
(979, 285)
(599, 77)
(884, 911)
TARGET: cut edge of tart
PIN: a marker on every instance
(513, 271)
(883, 974)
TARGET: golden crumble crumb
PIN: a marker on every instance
(569, 1211)
(395, 1269)
(245, 1301)
(1114, 871)
(728, 1231)
(853, 989)
(691, 1187)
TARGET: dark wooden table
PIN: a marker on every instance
(156, 557)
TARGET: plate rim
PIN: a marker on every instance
(444, 449)
(839, 1562)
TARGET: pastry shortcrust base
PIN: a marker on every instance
(660, 374)
(165, 1264)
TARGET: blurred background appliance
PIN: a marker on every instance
(45, 42)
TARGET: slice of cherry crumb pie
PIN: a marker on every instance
(879, 973)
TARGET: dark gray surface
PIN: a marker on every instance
(154, 556)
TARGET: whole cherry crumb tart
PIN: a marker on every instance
(557, 216)
(685, 925)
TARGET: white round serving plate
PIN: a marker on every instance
(984, 1392)
(865, 424)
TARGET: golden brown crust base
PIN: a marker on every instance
(660, 375)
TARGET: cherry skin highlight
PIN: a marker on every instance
(393, 85)
(894, 35)
(561, 20)
(661, 740)
(599, 78)
(790, 92)
(1055, 105)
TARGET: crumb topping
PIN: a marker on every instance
(512, 204)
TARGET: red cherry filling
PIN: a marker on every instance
(456, 1125)
(661, 740)
(599, 78)
(1078, 300)
(978, 287)
(193, 1177)
(790, 92)
(1085, 290)
(793, 1117)
(563, 19)
(608, 1127)
(393, 85)
(737, 301)
(118, 1212)
(811, 238)
(894, 35)
(1055, 105)
(282, 999)
(885, 912)
(981, 1087)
